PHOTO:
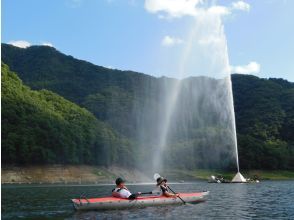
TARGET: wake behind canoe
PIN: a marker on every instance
(118, 203)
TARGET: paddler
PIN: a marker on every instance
(162, 183)
(121, 191)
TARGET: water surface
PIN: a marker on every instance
(265, 200)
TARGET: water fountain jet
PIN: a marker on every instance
(202, 109)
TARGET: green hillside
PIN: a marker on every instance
(41, 127)
(264, 107)
(105, 92)
(265, 122)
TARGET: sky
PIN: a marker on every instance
(161, 37)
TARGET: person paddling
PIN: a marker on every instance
(162, 183)
(121, 191)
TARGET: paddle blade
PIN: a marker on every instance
(156, 176)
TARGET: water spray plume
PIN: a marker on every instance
(196, 116)
(206, 42)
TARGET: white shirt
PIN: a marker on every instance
(121, 193)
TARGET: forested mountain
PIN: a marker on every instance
(265, 121)
(105, 92)
(41, 127)
(264, 108)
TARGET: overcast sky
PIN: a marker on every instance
(153, 36)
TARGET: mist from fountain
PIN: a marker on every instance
(201, 109)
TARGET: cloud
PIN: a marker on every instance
(20, 43)
(241, 5)
(194, 8)
(173, 8)
(25, 44)
(251, 68)
(169, 41)
(218, 10)
(47, 44)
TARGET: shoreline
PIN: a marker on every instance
(68, 174)
(87, 175)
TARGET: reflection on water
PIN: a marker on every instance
(266, 200)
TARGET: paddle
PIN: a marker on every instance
(135, 195)
(178, 195)
(146, 193)
(156, 176)
(155, 192)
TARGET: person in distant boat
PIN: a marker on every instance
(162, 183)
(121, 191)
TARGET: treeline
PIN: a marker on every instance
(265, 122)
(41, 127)
(122, 101)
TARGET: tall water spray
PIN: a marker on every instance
(233, 122)
(192, 117)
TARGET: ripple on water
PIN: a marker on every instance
(266, 200)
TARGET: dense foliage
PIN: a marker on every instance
(41, 127)
(264, 112)
(265, 122)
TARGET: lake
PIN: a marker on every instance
(264, 200)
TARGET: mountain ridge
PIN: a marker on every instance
(264, 111)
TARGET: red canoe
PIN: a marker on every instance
(118, 203)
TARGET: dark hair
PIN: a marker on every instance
(160, 180)
(119, 181)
